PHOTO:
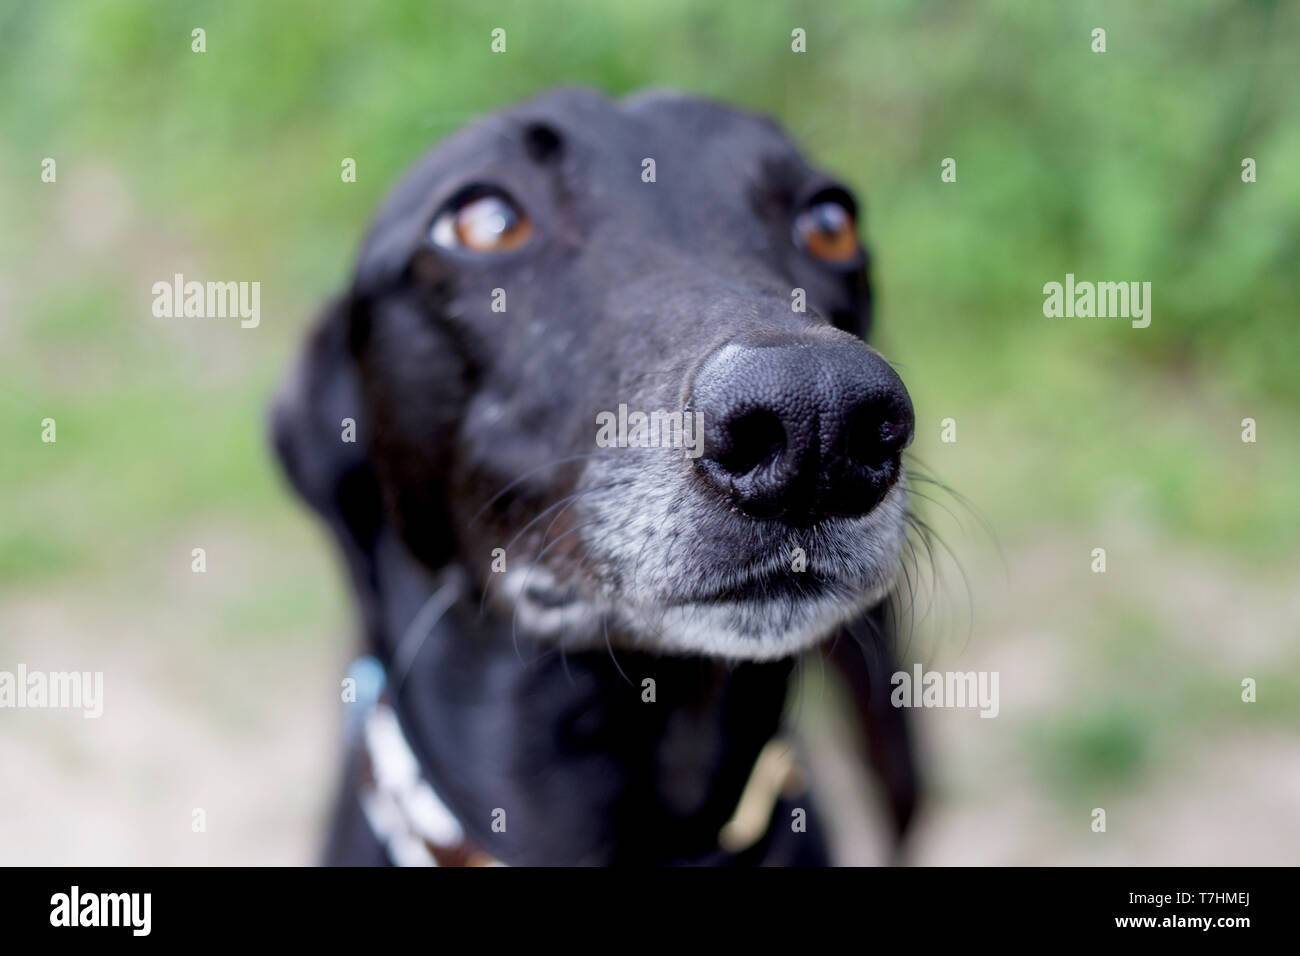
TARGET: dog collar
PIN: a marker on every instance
(415, 826)
(404, 812)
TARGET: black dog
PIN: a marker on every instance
(586, 645)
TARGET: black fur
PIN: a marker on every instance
(635, 284)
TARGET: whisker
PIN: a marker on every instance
(961, 499)
(604, 626)
(525, 476)
(936, 577)
(567, 501)
(931, 534)
(523, 587)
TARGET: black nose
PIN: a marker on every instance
(801, 428)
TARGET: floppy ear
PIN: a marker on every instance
(850, 297)
(318, 430)
(857, 319)
(866, 310)
(885, 745)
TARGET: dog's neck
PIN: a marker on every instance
(586, 757)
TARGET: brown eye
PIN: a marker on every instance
(826, 231)
(488, 223)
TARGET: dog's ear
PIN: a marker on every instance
(318, 430)
(857, 318)
(845, 299)
(867, 661)
(866, 301)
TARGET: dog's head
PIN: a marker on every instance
(608, 356)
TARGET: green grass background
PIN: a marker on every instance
(1117, 166)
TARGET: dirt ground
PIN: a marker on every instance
(248, 730)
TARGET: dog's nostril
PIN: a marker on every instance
(752, 439)
(876, 432)
(542, 142)
(800, 427)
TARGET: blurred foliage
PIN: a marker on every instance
(1116, 166)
